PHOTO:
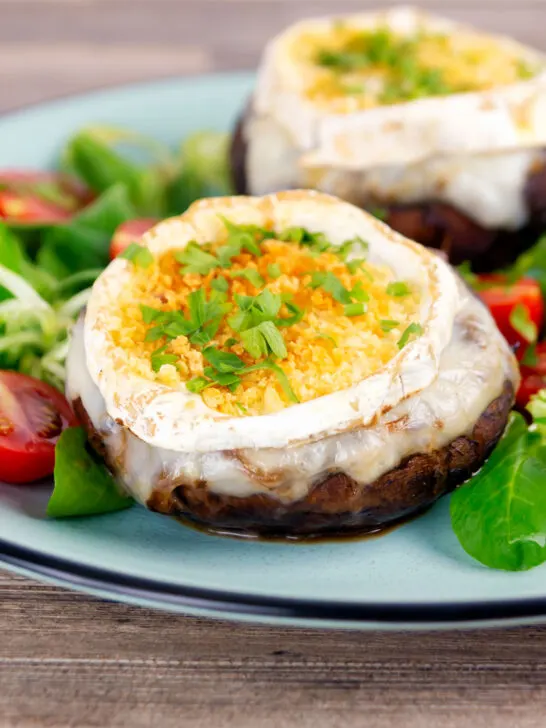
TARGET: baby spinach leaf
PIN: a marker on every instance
(83, 485)
(84, 242)
(499, 517)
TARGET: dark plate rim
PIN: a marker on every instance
(225, 603)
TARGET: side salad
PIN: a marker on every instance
(58, 230)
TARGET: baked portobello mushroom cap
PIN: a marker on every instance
(336, 504)
(357, 460)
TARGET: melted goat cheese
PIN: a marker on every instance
(472, 150)
(174, 418)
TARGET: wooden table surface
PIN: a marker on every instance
(68, 660)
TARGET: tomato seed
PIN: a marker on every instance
(6, 426)
(41, 415)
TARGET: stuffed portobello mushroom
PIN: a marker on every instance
(287, 365)
(438, 126)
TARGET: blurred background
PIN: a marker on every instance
(50, 48)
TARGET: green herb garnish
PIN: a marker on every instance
(241, 237)
(260, 340)
(197, 385)
(398, 289)
(196, 260)
(254, 310)
(296, 315)
(355, 309)
(249, 274)
(412, 330)
(388, 325)
(274, 270)
(316, 243)
(138, 254)
(359, 294)
(349, 246)
(292, 235)
(200, 326)
(220, 285)
(159, 358)
(223, 361)
(332, 285)
(281, 376)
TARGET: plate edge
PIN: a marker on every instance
(95, 579)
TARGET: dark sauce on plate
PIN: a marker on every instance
(359, 534)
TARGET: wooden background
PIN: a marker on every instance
(67, 660)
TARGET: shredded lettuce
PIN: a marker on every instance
(34, 332)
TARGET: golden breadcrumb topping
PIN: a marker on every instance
(254, 323)
(348, 68)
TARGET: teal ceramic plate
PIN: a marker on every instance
(415, 576)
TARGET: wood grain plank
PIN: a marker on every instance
(74, 45)
(70, 660)
(243, 23)
(47, 70)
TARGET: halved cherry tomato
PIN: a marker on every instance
(30, 197)
(29, 209)
(533, 378)
(32, 416)
(502, 298)
(129, 232)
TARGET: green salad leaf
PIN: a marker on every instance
(522, 323)
(499, 516)
(531, 263)
(14, 257)
(36, 312)
(83, 485)
(84, 242)
(204, 170)
(106, 156)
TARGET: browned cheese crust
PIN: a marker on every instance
(436, 224)
(336, 503)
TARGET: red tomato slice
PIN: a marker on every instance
(32, 416)
(30, 209)
(129, 232)
(501, 299)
